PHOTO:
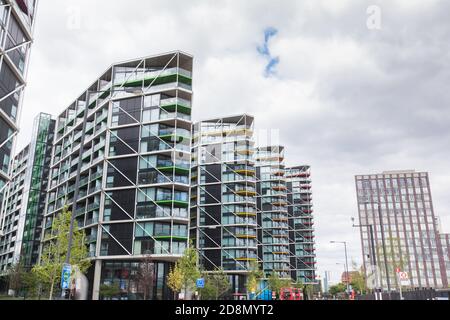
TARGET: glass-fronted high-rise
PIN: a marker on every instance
(16, 33)
(121, 160)
(273, 215)
(223, 197)
(25, 198)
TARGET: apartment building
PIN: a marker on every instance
(223, 197)
(16, 36)
(399, 207)
(121, 162)
(301, 224)
(25, 198)
(273, 214)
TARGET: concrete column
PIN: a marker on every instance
(96, 284)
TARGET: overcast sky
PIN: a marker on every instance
(346, 99)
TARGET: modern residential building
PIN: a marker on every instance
(121, 162)
(301, 224)
(273, 214)
(16, 35)
(25, 198)
(243, 205)
(445, 243)
(398, 207)
(223, 197)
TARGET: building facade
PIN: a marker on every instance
(247, 209)
(121, 162)
(25, 198)
(399, 207)
(16, 35)
(301, 224)
(445, 243)
(273, 214)
(223, 197)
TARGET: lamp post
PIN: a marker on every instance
(383, 241)
(373, 256)
(346, 262)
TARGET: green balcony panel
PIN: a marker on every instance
(171, 237)
(178, 170)
(164, 79)
(175, 203)
(177, 107)
(171, 138)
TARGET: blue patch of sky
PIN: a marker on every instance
(264, 50)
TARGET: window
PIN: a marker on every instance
(144, 229)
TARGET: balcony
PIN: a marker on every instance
(170, 167)
(279, 187)
(247, 191)
(246, 172)
(173, 237)
(175, 135)
(245, 236)
(174, 203)
(93, 206)
(246, 259)
(176, 104)
(279, 203)
(246, 214)
(159, 77)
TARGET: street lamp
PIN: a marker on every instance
(346, 262)
(380, 218)
(373, 256)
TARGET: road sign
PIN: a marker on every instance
(397, 270)
(404, 278)
(200, 283)
(65, 276)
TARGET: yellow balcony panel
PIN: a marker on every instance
(247, 259)
(245, 152)
(245, 236)
(246, 193)
(246, 214)
(212, 134)
(246, 172)
(238, 132)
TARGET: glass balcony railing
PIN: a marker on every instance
(135, 78)
(176, 104)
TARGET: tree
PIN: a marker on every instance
(146, 276)
(56, 248)
(109, 290)
(338, 288)
(358, 279)
(254, 277)
(186, 268)
(299, 285)
(32, 286)
(308, 291)
(216, 285)
(15, 276)
(276, 283)
(175, 279)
